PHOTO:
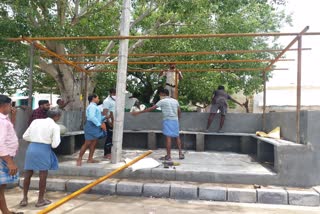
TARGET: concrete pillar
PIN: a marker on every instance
(152, 141)
(199, 142)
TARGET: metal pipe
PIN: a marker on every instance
(91, 185)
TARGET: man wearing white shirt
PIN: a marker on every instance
(43, 134)
(109, 107)
(173, 76)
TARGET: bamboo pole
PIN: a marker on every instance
(121, 83)
(194, 70)
(179, 62)
(91, 185)
(179, 36)
(181, 53)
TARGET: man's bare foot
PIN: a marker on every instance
(92, 161)
(79, 162)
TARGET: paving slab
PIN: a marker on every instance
(272, 196)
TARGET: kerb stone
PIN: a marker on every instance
(129, 188)
(75, 184)
(272, 196)
(156, 190)
(213, 193)
(242, 195)
(105, 188)
(303, 198)
(184, 191)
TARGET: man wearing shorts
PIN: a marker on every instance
(219, 102)
(170, 124)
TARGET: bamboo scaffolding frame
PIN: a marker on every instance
(181, 53)
(179, 36)
(178, 62)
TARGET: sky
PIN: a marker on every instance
(304, 13)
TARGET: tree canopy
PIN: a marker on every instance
(149, 17)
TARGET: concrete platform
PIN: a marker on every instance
(211, 167)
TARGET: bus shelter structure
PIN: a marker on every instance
(35, 42)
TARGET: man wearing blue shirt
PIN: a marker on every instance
(94, 129)
(109, 107)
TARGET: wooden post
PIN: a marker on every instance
(30, 91)
(121, 83)
(298, 91)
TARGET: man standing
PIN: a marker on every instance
(171, 80)
(8, 149)
(43, 134)
(41, 111)
(219, 102)
(170, 125)
(94, 129)
(109, 105)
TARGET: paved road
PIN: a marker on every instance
(95, 204)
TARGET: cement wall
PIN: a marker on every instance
(238, 123)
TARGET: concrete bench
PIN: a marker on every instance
(192, 140)
(69, 141)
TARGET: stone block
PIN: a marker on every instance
(73, 185)
(272, 196)
(184, 191)
(156, 190)
(56, 184)
(129, 188)
(242, 195)
(303, 198)
(105, 188)
(213, 193)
